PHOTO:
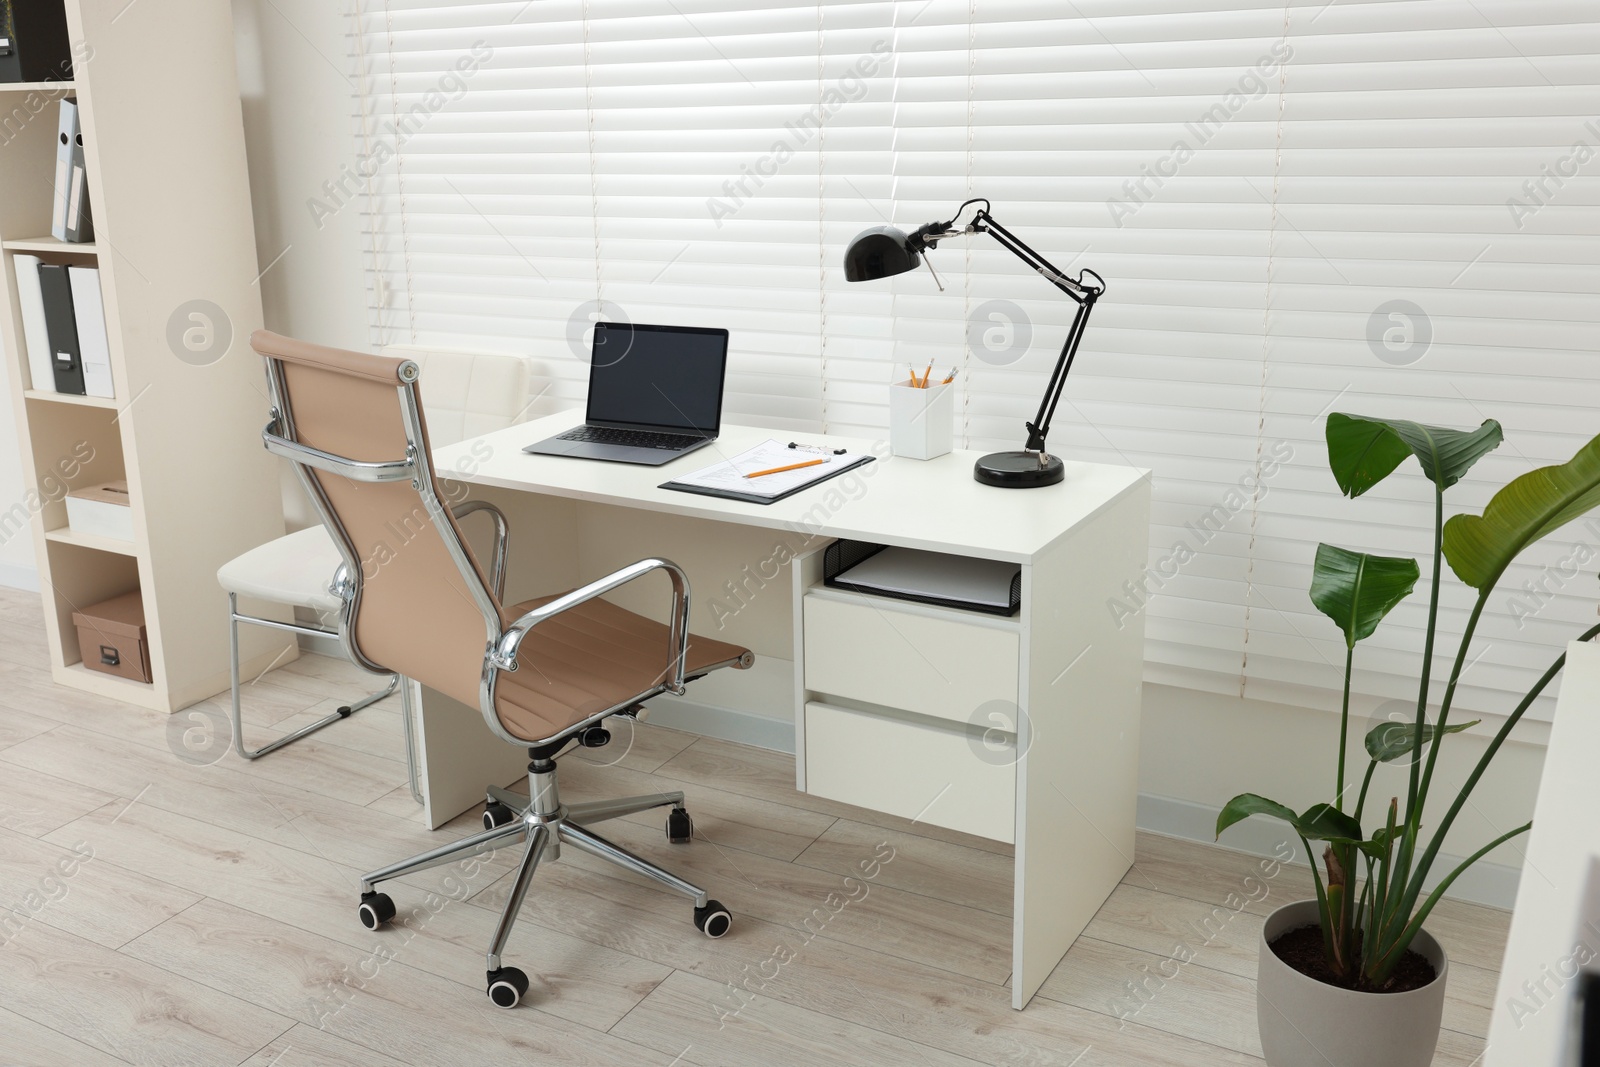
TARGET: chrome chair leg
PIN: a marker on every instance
(593, 811)
(547, 824)
(538, 839)
(517, 802)
(342, 712)
(594, 844)
(478, 842)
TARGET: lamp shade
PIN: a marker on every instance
(880, 252)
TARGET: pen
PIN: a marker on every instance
(790, 467)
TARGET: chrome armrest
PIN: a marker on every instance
(498, 565)
(503, 656)
(356, 470)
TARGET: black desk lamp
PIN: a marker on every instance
(884, 251)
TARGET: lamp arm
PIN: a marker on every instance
(1083, 293)
(1077, 288)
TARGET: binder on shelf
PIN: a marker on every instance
(34, 46)
(69, 219)
(35, 334)
(62, 326)
(88, 311)
(990, 586)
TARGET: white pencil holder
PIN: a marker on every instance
(921, 421)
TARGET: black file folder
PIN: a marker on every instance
(34, 46)
(66, 358)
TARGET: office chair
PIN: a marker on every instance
(472, 393)
(544, 673)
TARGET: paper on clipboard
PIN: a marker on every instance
(728, 476)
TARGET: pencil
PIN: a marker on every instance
(914, 383)
(790, 467)
(950, 378)
(925, 375)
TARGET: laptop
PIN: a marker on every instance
(655, 393)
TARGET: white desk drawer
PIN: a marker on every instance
(944, 775)
(947, 668)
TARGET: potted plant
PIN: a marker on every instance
(1351, 979)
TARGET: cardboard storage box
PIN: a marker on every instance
(111, 635)
(102, 510)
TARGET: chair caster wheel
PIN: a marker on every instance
(507, 987)
(496, 814)
(680, 828)
(376, 909)
(713, 919)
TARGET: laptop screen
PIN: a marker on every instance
(657, 376)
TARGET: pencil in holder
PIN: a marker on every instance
(921, 421)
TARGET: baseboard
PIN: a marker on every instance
(1494, 884)
(19, 576)
(321, 646)
(727, 724)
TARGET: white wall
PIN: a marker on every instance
(300, 127)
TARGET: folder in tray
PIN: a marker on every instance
(985, 585)
(728, 478)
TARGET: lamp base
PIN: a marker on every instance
(1018, 470)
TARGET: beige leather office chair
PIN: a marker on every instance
(470, 393)
(543, 672)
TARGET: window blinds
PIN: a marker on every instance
(1376, 207)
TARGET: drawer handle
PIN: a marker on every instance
(109, 657)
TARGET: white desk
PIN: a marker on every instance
(906, 708)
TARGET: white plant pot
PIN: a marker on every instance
(1307, 1023)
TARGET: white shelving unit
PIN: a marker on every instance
(164, 148)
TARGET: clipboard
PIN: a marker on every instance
(722, 479)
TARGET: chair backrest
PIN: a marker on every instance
(354, 426)
(469, 393)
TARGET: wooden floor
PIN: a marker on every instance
(162, 909)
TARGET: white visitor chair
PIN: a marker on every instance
(468, 394)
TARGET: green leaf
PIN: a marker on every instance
(1357, 590)
(1388, 741)
(1529, 508)
(1245, 805)
(1377, 847)
(1363, 452)
(1321, 822)
(1324, 822)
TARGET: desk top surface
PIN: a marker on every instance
(927, 504)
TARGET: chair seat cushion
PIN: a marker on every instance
(590, 658)
(294, 569)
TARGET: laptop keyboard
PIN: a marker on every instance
(606, 435)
